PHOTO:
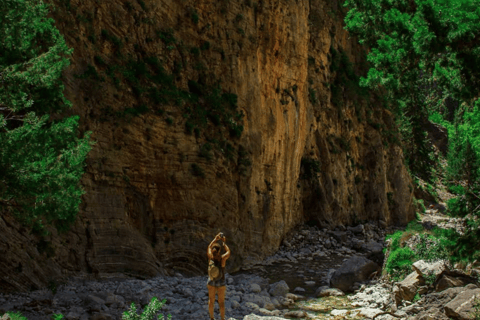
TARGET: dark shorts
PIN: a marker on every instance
(216, 283)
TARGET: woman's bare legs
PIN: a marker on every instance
(211, 299)
(221, 300)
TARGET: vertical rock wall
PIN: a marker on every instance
(156, 195)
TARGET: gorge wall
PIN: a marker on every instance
(176, 162)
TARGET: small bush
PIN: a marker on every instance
(148, 314)
(310, 168)
(205, 46)
(194, 16)
(457, 206)
(206, 151)
(399, 263)
(142, 4)
(419, 205)
(197, 170)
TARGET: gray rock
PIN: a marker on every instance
(369, 313)
(327, 292)
(252, 306)
(257, 299)
(102, 316)
(446, 282)
(462, 306)
(427, 268)
(431, 314)
(440, 299)
(355, 269)
(72, 316)
(279, 288)
(94, 299)
(255, 317)
(339, 236)
(255, 288)
(295, 314)
(112, 298)
(235, 304)
(406, 289)
(357, 230)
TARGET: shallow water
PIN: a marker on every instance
(296, 273)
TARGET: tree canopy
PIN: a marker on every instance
(422, 52)
(41, 156)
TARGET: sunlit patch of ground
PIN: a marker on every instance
(332, 308)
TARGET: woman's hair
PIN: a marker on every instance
(216, 249)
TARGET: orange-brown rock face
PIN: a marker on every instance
(160, 183)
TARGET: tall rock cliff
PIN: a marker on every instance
(241, 116)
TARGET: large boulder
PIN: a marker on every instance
(446, 282)
(426, 269)
(439, 299)
(279, 288)
(355, 269)
(406, 289)
(431, 314)
(357, 230)
(260, 300)
(339, 236)
(462, 306)
(374, 252)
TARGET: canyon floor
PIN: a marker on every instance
(292, 283)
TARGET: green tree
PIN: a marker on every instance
(41, 156)
(422, 52)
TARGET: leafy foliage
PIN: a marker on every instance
(432, 245)
(148, 313)
(41, 161)
(422, 52)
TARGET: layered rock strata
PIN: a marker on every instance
(160, 183)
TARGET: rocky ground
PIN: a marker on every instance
(306, 261)
(306, 279)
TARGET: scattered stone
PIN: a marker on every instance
(256, 317)
(357, 230)
(369, 312)
(295, 314)
(327, 292)
(255, 288)
(341, 313)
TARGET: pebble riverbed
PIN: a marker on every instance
(302, 264)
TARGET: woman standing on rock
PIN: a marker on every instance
(216, 274)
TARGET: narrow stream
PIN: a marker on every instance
(296, 274)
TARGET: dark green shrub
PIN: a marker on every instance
(205, 46)
(197, 170)
(167, 36)
(457, 207)
(399, 263)
(310, 168)
(194, 15)
(129, 6)
(206, 151)
(142, 4)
